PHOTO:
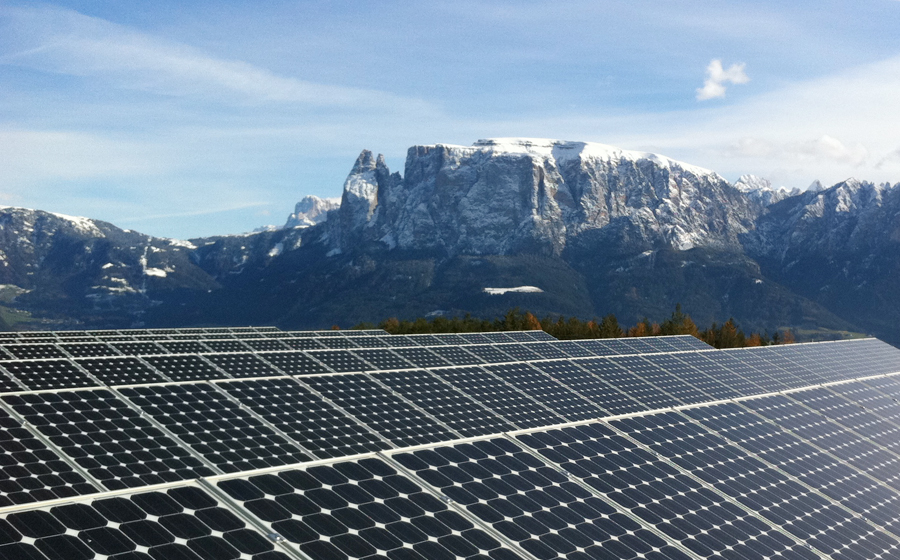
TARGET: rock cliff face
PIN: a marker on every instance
(507, 196)
(311, 210)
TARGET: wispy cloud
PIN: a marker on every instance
(66, 42)
(717, 77)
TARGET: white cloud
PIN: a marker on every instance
(66, 42)
(717, 77)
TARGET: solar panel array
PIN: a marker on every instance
(256, 443)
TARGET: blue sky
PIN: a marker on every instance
(185, 119)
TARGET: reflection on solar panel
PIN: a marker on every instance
(661, 449)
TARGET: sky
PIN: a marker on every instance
(185, 119)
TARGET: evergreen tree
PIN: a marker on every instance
(609, 327)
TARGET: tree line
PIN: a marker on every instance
(726, 335)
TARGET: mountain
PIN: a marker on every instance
(311, 210)
(595, 228)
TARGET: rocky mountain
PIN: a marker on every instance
(311, 210)
(594, 228)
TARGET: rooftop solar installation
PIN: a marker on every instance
(255, 443)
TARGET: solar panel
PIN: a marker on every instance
(370, 342)
(813, 519)
(521, 352)
(661, 495)
(734, 363)
(383, 359)
(137, 348)
(293, 363)
(444, 402)
(109, 440)
(337, 342)
(184, 368)
(34, 351)
(532, 504)
(179, 523)
(421, 357)
(573, 348)
(266, 344)
(613, 374)
(546, 391)
(303, 344)
(591, 387)
(308, 419)
(673, 366)
(796, 458)
(87, 349)
(393, 418)
(49, 374)
(456, 355)
(340, 360)
(30, 472)
(672, 385)
(499, 397)
(737, 383)
(120, 371)
(215, 427)
(242, 365)
(360, 509)
(490, 354)
(183, 347)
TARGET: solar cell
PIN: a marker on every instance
(645, 369)
(687, 342)
(499, 397)
(450, 339)
(851, 416)
(633, 386)
(242, 365)
(389, 415)
(215, 427)
(30, 472)
(370, 342)
(545, 390)
(179, 523)
(120, 371)
(361, 509)
(399, 341)
(316, 424)
(596, 347)
(734, 363)
(48, 374)
(539, 336)
(87, 349)
(444, 402)
(475, 338)
(107, 438)
(591, 387)
(185, 368)
(8, 384)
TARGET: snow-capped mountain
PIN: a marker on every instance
(503, 196)
(311, 210)
(593, 228)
